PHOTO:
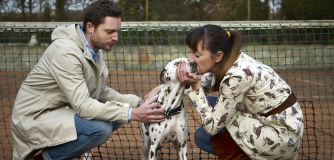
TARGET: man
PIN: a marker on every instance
(64, 106)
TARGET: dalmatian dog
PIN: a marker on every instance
(175, 127)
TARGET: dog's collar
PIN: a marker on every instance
(173, 111)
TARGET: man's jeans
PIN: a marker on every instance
(90, 133)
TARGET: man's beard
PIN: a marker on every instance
(96, 42)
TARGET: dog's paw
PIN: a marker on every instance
(207, 79)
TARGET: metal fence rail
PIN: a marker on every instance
(300, 51)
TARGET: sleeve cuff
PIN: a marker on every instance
(129, 116)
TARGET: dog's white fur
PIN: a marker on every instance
(174, 128)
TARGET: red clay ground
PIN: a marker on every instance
(314, 90)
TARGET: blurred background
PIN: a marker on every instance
(171, 10)
(294, 37)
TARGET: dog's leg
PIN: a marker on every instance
(88, 155)
(183, 150)
(154, 149)
(145, 141)
(177, 147)
(180, 144)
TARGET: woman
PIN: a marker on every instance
(262, 117)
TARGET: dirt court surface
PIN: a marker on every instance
(314, 90)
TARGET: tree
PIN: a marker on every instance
(219, 10)
(308, 9)
(22, 6)
(259, 10)
(46, 16)
(61, 11)
(132, 10)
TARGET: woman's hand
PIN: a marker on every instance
(185, 77)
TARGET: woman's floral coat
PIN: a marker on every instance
(249, 89)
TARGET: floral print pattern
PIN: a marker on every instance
(249, 90)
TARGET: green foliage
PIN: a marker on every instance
(46, 16)
(179, 10)
(133, 10)
(258, 11)
(308, 9)
(60, 11)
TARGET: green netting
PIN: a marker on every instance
(300, 51)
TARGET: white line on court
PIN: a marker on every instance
(304, 80)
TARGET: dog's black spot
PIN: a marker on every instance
(187, 86)
(146, 133)
(184, 144)
(156, 150)
(181, 125)
(168, 90)
(159, 132)
(155, 139)
(183, 129)
(177, 94)
(173, 101)
(155, 129)
(166, 126)
(152, 143)
(165, 138)
(152, 129)
(159, 123)
(173, 136)
(152, 153)
(162, 77)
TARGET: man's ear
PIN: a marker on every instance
(219, 56)
(89, 28)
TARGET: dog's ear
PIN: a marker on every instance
(162, 77)
(177, 63)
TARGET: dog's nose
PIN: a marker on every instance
(193, 64)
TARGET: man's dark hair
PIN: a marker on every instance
(98, 10)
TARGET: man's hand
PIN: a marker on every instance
(155, 91)
(148, 112)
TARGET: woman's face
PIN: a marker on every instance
(203, 59)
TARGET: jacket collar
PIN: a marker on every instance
(99, 59)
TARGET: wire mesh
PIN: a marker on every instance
(300, 51)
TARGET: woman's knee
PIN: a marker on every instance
(202, 140)
(201, 136)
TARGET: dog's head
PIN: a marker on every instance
(168, 75)
(171, 90)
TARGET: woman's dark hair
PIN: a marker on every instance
(98, 10)
(215, 39)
